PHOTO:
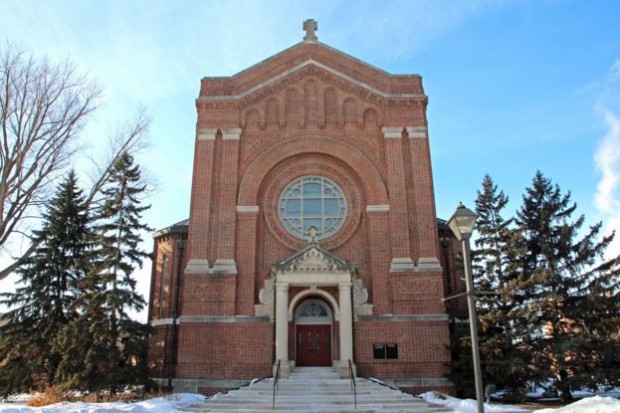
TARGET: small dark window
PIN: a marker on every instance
(391, 351)
(385, 351)
(378, 351)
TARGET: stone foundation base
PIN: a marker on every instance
(343, 369)
(285, 369)
(207, 387)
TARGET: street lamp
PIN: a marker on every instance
(462, 225)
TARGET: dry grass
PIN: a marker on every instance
(51, 395)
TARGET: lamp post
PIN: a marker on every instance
(462, 225)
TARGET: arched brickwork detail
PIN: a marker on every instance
(294, 107)
(311, 97)
(309, 165)
(376, 192)
(330, 106)
(272, 113)
(350, 111)
(371, 119)
(308, 293)
(252, 119)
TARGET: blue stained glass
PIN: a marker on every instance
(312, 189)
(312, 208)
(330, 207)
(293, 207)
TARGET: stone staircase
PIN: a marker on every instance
(315, 389)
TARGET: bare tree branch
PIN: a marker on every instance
(129, 137)
(43, 107)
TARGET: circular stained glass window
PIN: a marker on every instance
(312, 201)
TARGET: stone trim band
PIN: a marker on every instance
(209, 134)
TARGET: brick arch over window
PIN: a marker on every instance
(376, 192)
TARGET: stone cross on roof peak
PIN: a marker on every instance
(310, 26)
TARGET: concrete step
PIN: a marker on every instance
(312, 400)
(315, 390)
(383, 408)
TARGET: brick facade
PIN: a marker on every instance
(308, 111)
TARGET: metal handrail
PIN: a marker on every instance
(353, 384)
(276, 378)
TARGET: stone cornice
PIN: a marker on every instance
(398, 318)
(378, 208)
(206, 134)
(186, 319)
(209, 134)
(311, 62)
(417, 132)
(231, 133)
(248, 209)
(392, 132)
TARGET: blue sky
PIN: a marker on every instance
(513, 86)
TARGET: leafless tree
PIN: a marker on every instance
(43, 107)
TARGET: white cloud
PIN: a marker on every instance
(607, 160)
(607, 155)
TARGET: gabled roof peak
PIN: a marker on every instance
(313, 258)
(310, 52)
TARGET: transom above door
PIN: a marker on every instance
(313, 311)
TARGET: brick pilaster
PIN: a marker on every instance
(426, 249)
(227, 214)
(379, 257)
(202, 194)
(247, 244)
(399, 238)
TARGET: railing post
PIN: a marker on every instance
(353, 384)
(276, 378)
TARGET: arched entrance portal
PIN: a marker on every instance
(313, 333)
(314, 270)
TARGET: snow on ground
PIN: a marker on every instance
(467, 405)
(168, 404)
(175, 402)
(594, 404)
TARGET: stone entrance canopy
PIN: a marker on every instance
(313, 268)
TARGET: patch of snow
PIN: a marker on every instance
(467, 405)
(612, 392)
(168, 404)
(596, 404)
(18, 398)
(376, 381)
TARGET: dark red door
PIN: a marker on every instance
(314, 345)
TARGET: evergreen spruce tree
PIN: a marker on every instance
(504, 362)
(568, 293)
(42, 305)
(115, 350)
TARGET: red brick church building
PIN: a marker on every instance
(312, 236)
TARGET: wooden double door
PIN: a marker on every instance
(314, 345)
